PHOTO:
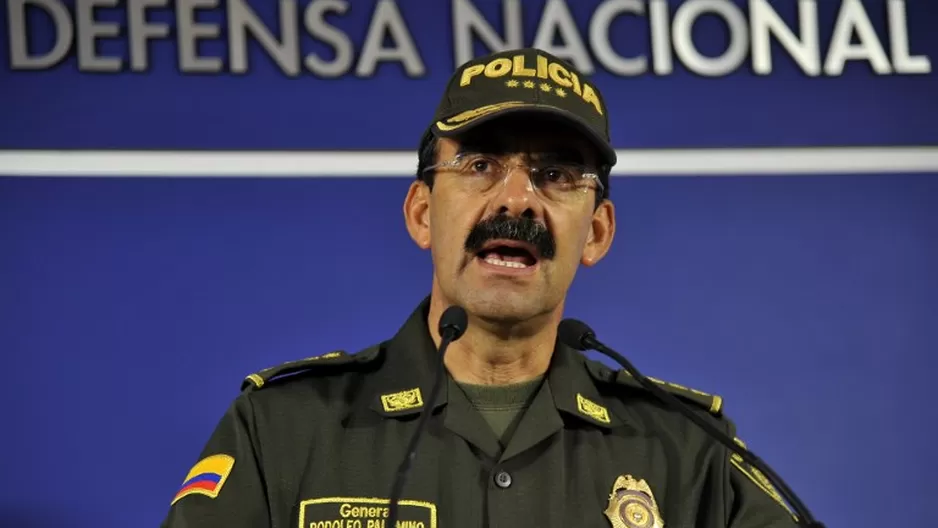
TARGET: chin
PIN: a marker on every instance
(504, 307)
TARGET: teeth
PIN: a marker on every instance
(498, 262)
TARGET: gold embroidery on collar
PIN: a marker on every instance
(592, 409)
(402, 401)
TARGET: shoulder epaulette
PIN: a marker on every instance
(337, 357)
(711, 402)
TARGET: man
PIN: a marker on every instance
(511, 197)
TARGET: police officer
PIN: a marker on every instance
(511, 198)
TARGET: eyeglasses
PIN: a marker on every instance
(557, 180)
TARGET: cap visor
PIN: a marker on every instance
(491, 112)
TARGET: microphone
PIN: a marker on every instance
(452, 326)
(577, 334)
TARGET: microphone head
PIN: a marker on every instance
(573, 333)
(453, 322)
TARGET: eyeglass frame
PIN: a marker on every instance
(588, 174)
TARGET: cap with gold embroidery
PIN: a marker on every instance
(523, 80)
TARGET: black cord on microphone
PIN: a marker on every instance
(577, 334)
(452, 326)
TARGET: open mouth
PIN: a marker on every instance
(508, 255)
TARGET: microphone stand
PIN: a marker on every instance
(803, 515)
(453, 324)
(580, 336)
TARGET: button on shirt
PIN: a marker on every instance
(502, 479)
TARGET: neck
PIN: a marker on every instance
(493, 353)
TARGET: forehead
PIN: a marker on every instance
(525, 134)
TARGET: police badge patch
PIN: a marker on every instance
(632, 505)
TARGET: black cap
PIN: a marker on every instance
(523, 80)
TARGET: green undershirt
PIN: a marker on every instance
(502, 405)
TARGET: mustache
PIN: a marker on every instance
(521, 229)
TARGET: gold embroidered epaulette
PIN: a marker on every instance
(711, 402)
(757, 478)
(338, 357)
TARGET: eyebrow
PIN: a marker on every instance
(559, 154)
(481, 147)
(563, 154)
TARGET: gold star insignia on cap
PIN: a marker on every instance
(545, 87)
(561, 92)
(511, 84)
(529, 84)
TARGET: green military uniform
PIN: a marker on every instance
(316, 443)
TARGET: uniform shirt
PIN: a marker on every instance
(316, 444)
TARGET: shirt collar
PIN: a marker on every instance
(575, 390)
(410, 362)
(405, 379)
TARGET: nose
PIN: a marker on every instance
(517, 196)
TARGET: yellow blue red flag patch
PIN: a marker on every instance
(206, 477)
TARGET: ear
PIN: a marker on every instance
(602, 231)
(417, 213)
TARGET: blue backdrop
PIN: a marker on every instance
(131, 307)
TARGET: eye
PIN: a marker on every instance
(557, 175)
(479, 165)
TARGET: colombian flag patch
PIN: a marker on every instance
(206, 477)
